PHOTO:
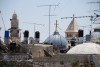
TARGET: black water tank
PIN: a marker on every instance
(63, 51)
(72, 43)
(13, 46)
(37, 34)
(88, 37)
(80, 33)
(26, 33)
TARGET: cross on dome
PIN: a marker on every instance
(56, 25)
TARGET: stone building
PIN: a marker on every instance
(72, 30)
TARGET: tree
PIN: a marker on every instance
(74, 62)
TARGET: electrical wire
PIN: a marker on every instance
(57, 4)
(3, 21)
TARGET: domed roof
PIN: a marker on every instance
(85, 48)
(56, 40)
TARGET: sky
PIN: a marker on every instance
(30, 11)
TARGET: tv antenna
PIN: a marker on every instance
(92, 18)
(96, 3)
(50, 6)
(77, 17)
(34, 26)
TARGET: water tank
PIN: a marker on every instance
(88, 37)
(13, 46)
(26, 33)
(6, 34)
(80, 33)
(97, 29)
(73, 41)
(37, 34)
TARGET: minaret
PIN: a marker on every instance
(72, 30)
(14, 30)
(14, 21)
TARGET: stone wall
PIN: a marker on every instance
(60, 60)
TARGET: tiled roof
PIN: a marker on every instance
(73, 26)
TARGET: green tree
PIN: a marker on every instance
(74, 62)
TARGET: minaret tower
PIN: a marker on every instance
(14, 30)
(14, 21)
(72, 30)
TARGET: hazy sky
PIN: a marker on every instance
(28, 11)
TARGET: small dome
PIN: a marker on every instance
(56, 40)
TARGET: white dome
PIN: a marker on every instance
(85, 48)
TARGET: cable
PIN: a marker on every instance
(57, 4)
(3, 21)
(62, 9)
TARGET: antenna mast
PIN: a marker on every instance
(34, 26)
(92, 18)
(50, 6)
(96, 3)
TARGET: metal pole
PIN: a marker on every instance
(91, 29)
(49, 22)
(99, 6)
(34, 30)
(49, 16)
